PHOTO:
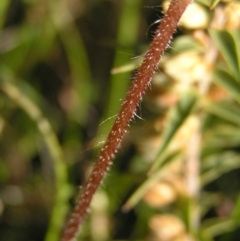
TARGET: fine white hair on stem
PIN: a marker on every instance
(109, 118)
(134, 97)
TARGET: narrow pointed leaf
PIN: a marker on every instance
(221, 164)
(218, 226)
(214, 3)
(228, 82)
(150, 181)
(227, 46)
(177, 117)
(225, 112)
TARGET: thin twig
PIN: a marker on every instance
(134, 96)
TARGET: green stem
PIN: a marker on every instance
(61, 189)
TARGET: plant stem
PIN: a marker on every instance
(134, 96)
(62, 190)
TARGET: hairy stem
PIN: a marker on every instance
(134, 96)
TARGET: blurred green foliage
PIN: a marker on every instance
(65, 67)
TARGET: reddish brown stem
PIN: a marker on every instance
(142, 80)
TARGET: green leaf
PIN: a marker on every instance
(217, 165)
(228, 82)
(150, 181)
(219, 137)
(205, 2)
(227, 44)
(225, 111)
(236, 211)
(185, 43)
(177, 117)
(216, 226)
(4, 4)
(214, 3)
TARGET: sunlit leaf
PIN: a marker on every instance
(205, 2)
(214, 3)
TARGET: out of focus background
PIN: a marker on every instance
(65, 67)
